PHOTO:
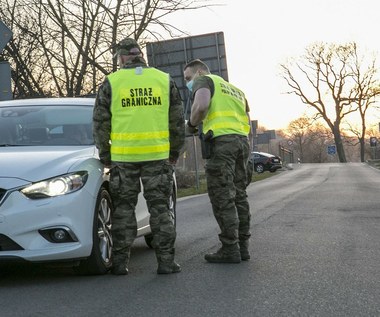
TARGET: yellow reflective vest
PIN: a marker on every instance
(140, 115)
(227, 110)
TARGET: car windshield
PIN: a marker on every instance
(47, 125)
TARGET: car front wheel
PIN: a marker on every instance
(99, 261)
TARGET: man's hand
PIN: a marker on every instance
(190, 129)
(107, 165)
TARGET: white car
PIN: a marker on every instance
(54, 199)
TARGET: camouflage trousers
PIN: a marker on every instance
(157, 180)
(228, 175)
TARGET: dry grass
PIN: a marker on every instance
(202, 188)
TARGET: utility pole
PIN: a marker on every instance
(5, 69)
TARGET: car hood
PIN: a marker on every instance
(23, 165)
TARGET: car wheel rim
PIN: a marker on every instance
(104, 230)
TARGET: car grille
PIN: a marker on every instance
(7, 244)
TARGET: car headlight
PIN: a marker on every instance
(56, 186)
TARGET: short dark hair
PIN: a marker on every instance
(197, 64)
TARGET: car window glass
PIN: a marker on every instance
(47, 125)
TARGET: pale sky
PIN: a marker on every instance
(259, 35)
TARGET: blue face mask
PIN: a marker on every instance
(189, 85)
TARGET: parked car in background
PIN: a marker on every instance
(54, 194)
(266, 162)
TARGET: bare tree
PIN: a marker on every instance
(367, 89)
(64, 48)
(318, 140)
(297, 132)
(324, 79)
(309, 138)
(22, 50)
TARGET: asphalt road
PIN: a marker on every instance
(315, 252)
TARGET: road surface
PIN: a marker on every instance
(315, 252)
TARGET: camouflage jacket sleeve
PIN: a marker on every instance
(102, 122)
(176, 122)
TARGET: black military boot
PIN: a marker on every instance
(120, 262)
(244, 253)
(167, 268)
(224, 255)
(119, 269)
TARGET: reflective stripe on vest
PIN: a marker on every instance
(140, 115)
(227, 110)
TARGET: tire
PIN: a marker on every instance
(259, 168)
(173, 213)
(99, 262)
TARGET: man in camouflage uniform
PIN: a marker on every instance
(139, 130)
(223, 111)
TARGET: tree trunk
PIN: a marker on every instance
(339, 144)
(362, 148)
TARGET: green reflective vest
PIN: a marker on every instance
(227, 110)
(140, 115)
